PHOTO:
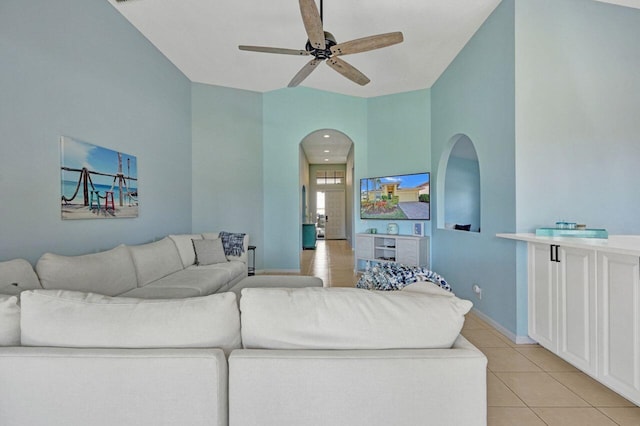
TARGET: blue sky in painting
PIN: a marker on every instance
(76, 154)
(406, 181)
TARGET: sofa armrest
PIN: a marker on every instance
(358, 387)
(63, 386)
(16, 276)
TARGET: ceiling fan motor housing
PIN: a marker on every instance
(329, 40)
(323, 47)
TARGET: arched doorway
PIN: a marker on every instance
(326, 171)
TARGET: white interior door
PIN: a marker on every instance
(335, 215)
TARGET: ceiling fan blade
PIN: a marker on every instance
(312, 23)
(304, 72)
(348, 71)
(274, 50)
(367, 43)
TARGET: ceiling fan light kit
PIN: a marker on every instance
(323, 46)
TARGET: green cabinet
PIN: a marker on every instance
(308, 235)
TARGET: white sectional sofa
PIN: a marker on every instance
(167, 268)
(299, 357)
(87, 359)
(162, 269)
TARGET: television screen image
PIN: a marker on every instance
(400, 197)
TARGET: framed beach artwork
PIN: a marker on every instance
(96, 182)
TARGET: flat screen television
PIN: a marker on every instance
(399, 197)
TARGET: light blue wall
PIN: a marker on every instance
(578, 104)
(577, 127)
(391, 135)
(546, 90)
(399, 140)
(289, 116)
(78, 68)
(476, 96)
(227, 162)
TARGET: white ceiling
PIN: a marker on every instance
(627, 3)
(201, 38)
(326, 146)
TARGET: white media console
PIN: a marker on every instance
(406, 249)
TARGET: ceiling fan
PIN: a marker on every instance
(322, 46)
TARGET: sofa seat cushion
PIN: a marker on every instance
(9, 321)
(232, 269)
(109, 272)
(204, 281)
(155, 260)
(349, 318)
(184, 244)
(153, 292)
(72, 319)
(16, 276)
(276, 281)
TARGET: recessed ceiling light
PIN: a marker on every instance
(327, 136)
(326, 150)
(326, 159)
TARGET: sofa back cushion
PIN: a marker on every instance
(17, 275)
(109, 272)
(74, 319)
(9, 321)
(155, 260)
(348, 318)
(209, 252)
(184, 244)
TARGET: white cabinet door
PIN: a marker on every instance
(562, 302)
(407, 251)
(543, 300)
(377, 248)
(577, 307)
(364, 246)
(619, 323)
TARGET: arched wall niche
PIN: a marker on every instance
(458, 186)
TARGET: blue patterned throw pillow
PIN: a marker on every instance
(395, 276)
(232, 243)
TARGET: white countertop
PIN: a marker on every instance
(623, 244)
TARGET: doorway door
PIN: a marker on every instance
(334, 215)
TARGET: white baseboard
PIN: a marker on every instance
(519, 340)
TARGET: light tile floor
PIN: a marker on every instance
(526, 384)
